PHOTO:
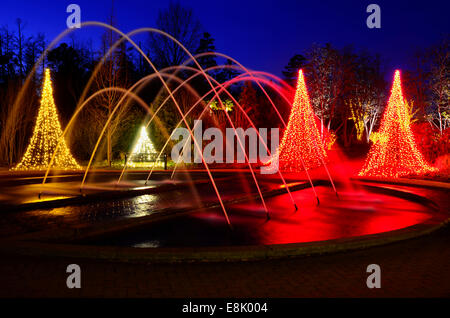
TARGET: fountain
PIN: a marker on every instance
(183, 206)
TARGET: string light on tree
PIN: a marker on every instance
(301, 139)
(143, 150)
(394, 153)
(47, 132)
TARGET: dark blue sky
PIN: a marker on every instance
(263, 34)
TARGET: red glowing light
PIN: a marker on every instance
(395, 153)
(301, 146)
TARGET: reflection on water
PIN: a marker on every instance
(142, 204)
(91, 213)
(148, 244)
(43, 199)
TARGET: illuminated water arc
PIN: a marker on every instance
(251, 122)
(220, 102)
(158, 31)
(279, 115)
(192, 58)
(127, 93)
(87, 86)
(163, 82)
(198, 73)
(266, 82)
(153, 115)
(259, 136)
(176, 103)
(163, 103)
(240, 142)
(195, 75)
(171, 95)
(141, 83)
(127, 37)
(229, 83)
(74, 116)
(252, 79)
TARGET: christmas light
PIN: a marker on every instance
(47, 132)
(301, 140)
(394, 152)
(143, 151)
(228, 104)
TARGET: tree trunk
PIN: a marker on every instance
(108, 139)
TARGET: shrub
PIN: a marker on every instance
(431, 144)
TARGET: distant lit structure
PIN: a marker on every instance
(143, 153)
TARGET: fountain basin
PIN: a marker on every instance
(156, 228)
(356, 213)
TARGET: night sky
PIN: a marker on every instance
(262, 35)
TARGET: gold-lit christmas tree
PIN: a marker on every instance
(46, 134)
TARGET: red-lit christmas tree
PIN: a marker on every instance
(301, 140)
(395, 153)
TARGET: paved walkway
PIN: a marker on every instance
(414, 268)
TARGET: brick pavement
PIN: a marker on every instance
(413, 268)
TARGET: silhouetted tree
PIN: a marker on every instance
(20, 46)
(248, 101)
(113, 72)
(7, 68)
(33, 49)
(70, 72)
(206, 45)
(179, 22)
(439, 98)
(227, 73)
(290, 71)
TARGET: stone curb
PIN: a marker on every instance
(405, 181)
(217, 254)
